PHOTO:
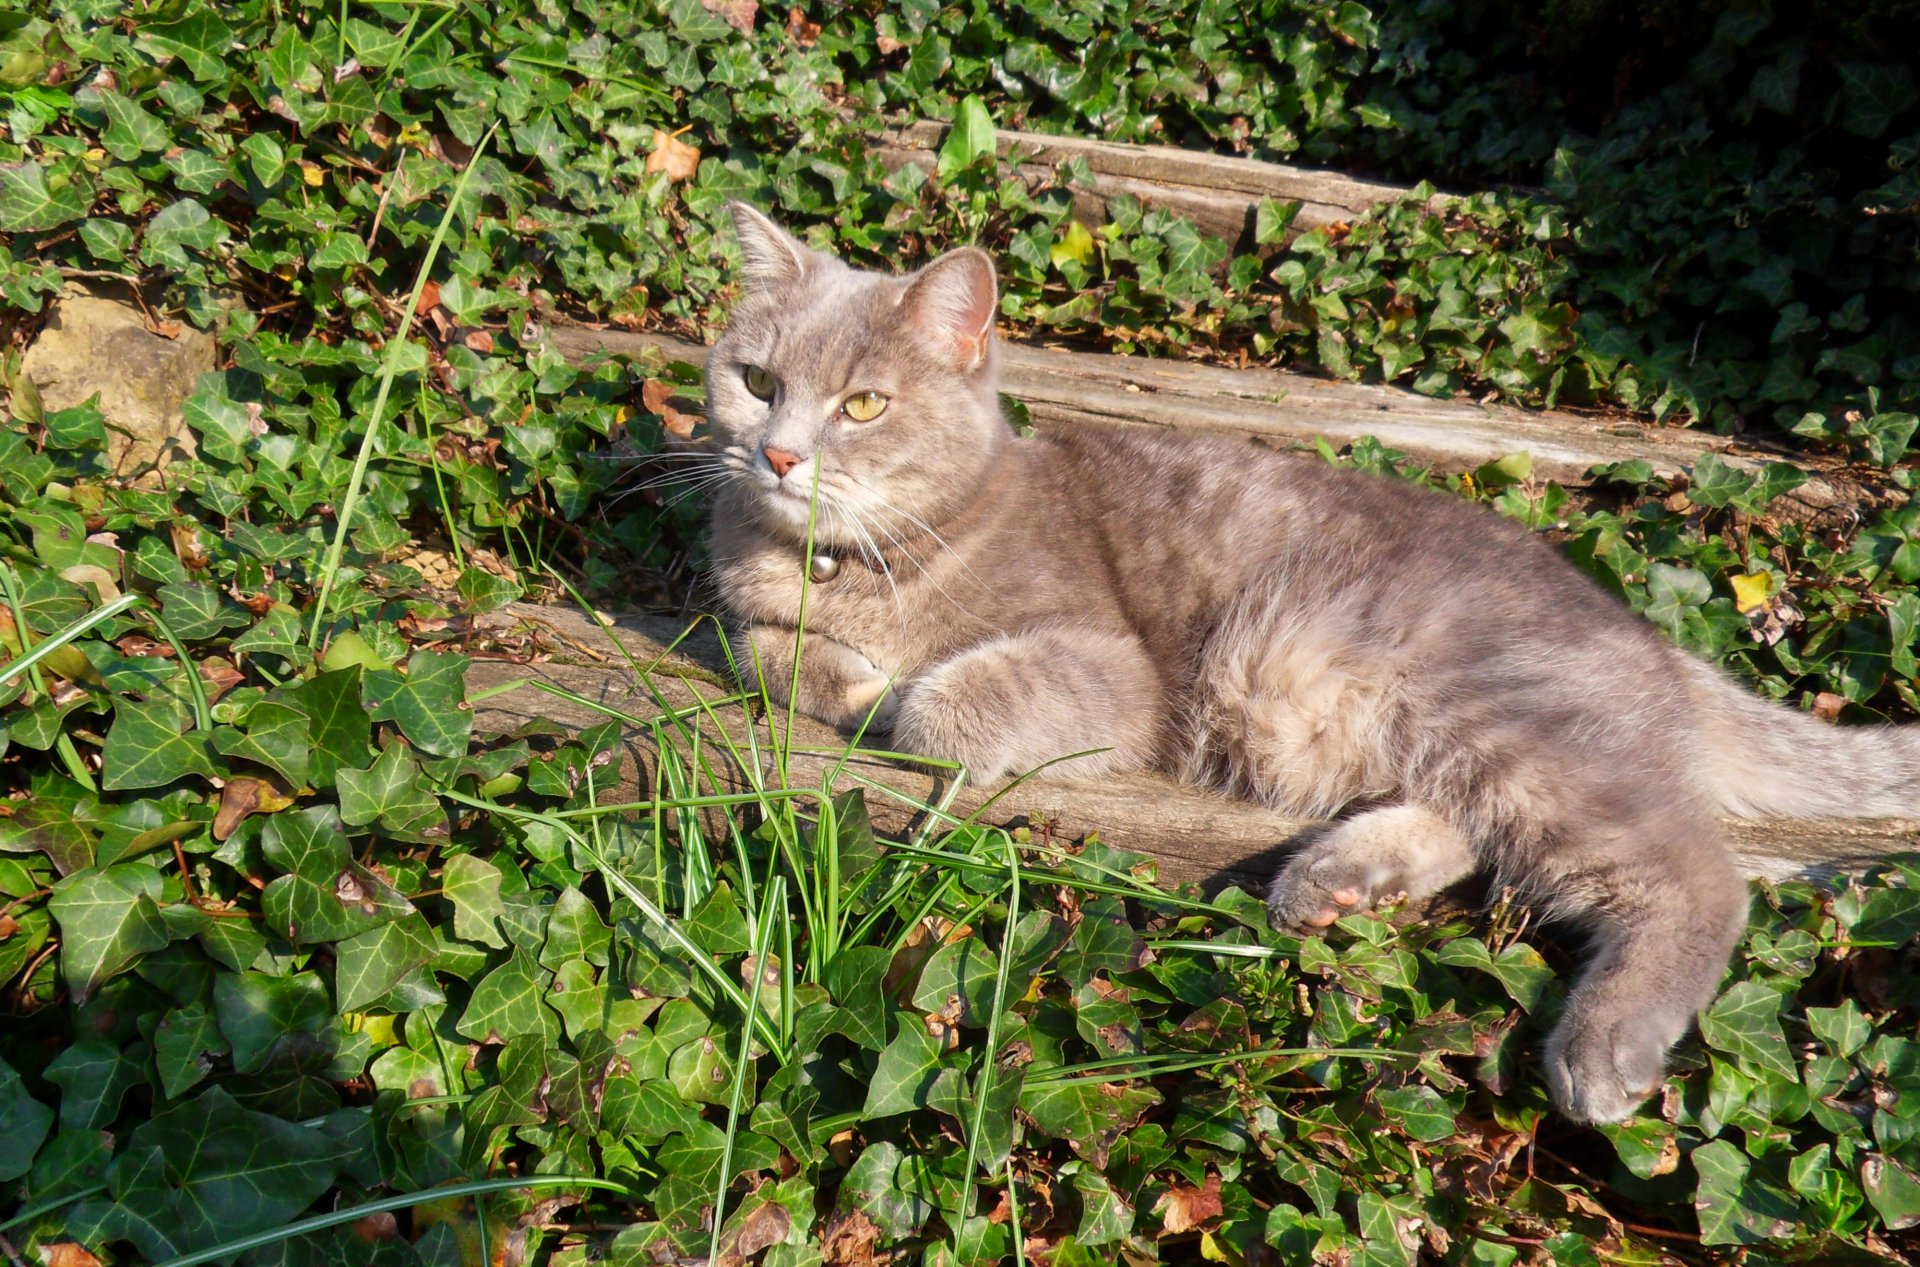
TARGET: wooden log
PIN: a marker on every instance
(1071, 388)
(1221, 195)
(1196, 836)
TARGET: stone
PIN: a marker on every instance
(97, 342)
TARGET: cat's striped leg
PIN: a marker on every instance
(1022, 700)
(1665, 907)
(1397, 851)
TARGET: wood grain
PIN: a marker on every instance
(1221, 195)
(1198, 837)
(1063, 388)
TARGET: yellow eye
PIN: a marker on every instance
(759, 382)
(864, 406)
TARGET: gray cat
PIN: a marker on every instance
(1325, 642)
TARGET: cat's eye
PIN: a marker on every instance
(759, 382)
(864, 406)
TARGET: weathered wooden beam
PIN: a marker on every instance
(1221, 195)
(1196, 836)
(1071, 388)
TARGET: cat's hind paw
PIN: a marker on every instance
(1601, 1069)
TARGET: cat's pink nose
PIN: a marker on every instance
(780, 460)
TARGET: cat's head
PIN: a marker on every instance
(879, 392)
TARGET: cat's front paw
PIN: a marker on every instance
(1600, 1067)
(1300, 900)
(938, 717)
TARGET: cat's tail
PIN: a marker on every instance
(1765, 760)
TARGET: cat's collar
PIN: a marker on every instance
(823, 566)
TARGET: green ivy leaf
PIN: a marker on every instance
(1714, 483)
(208, 1171)
(261, 1014)
(1419, 1111)
(337, 724)
(108, 920)
(472, 885)
(24, 1124)
(185, 1044)
(35, 198)
(391, 793)
(905, 1072)
(325, 896)
(507, 1003)
(1734, 1208)
(1084, 1111)
(130, 130)
(1893, 1189)
(94, 1076)
(1744, 1022)
(428, 702)
(152, 744)
(200, 39)
(970, 139)
(276, 737)
(369, 966)
(197, 610)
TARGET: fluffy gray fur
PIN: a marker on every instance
(1328, 643)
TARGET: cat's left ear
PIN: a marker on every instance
(951, 304)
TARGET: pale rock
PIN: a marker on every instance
(94, 342)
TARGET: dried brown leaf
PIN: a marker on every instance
(802, 32)
(738, 14)
(67, 1254)
(245, 795)
(1182, 1209)
(673, 156)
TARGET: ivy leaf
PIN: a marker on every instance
(35, 198)
(1893, 1189)
(575, 931)
(201, 40)
(1734, 1208)
(94, 1076)
(1418, 1110)
(224, 1172)
(1715, 483)
(970, 139)
(1672, 592)
(197, 610)
(695, 1156)
(57, 819)
(1519, 967)
(184, 1046)
(391, 793)
(1843, 1029)
(367, 967)
(181, 226)
(151, 744)
(130, 130)
(108, 919)
(507, 1003)
(1086, 1112)
(1745, 1023)
(1872, 94)
(276, 737)
(337, 724)
(473, 886)
(906, 1070)
(24, 1123)
(260, 1013)
(428, 702)
(325, 896)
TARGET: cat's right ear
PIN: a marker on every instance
(771, 258)
(951, 302)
